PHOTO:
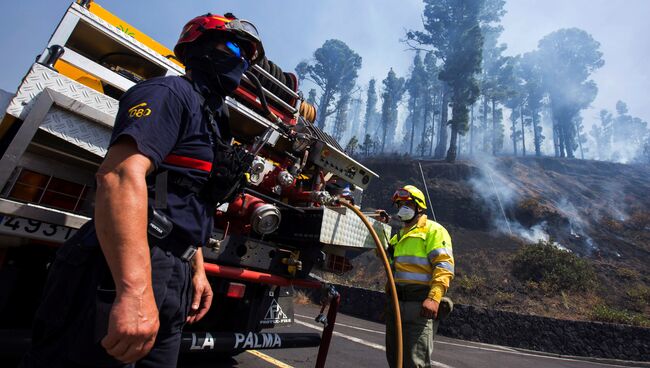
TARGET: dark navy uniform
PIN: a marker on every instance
(165, 117)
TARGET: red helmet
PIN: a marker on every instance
(242, 30)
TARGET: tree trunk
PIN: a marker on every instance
(441, 148)
(433, 129)
(561, 138)
(523, 131)
(582, 154)
(556, 139)
(485, 125)
(537, 138)
(383, 137)
(471, 131)
(494, 127)
(322, 106)
(569, 137)
(453, 150)
(425, 121)
(413, 119)
(514, 136)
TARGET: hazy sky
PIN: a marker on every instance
(293, 29)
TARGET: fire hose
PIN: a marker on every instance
(391, 281)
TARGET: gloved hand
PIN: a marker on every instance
(382, 216)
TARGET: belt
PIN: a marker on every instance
(184, 253)
(411, 295)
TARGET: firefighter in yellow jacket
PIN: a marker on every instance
(423, 265)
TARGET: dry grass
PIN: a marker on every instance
(639, 220)
(301, 298)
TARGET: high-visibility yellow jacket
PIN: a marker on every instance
(423, 255)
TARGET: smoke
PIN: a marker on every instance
(612, 204)
(499, 194)
(502, 196)
(577, 225)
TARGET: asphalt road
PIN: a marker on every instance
(359, 343)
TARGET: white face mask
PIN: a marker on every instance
(406, 213)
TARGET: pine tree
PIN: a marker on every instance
(367, 147)
(452, 28)
(334, 69)
(352, 145)
(568, 56)
(393, 91)
(371, 107)
(416, 86)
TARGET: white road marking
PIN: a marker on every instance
(472, 344)
(351, 338)
(361, 341)
(514, 352)
(486, 347)
(344, 325)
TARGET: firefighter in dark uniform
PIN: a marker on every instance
(120, 291)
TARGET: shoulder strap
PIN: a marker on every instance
(218, 126)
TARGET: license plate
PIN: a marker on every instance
(34, 229)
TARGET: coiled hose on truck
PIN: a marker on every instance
(391, 281)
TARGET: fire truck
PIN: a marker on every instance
(54, 134)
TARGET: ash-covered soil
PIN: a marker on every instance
(600, 211)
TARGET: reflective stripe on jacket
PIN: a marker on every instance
(423, 255)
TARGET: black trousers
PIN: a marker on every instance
(79, 292)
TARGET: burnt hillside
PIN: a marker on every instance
(599, 211)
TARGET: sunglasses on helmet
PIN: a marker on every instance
(402, 195)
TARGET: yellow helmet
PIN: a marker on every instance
(410, 193)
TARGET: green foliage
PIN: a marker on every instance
(569, 57)
(311, 98)
(501, 297)
(341, 118)
(529, 72)
(334, 69)
(368, 145)
(639, 296)
(628, 133)
(452, 28)
(393, 91)
(603, 313)
(472, 284)
(602, 134)
(352, 146)
(371, 106)
(627, 273)
(417, 87)
(432, 102)
(552, 267)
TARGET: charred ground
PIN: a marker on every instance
(599, 211)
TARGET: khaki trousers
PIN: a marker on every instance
(417, 335)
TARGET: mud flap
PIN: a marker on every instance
(279, 308)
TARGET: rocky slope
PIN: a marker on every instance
(598, 211)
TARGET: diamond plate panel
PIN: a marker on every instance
(40, 77)
(346, 229)
(76, 130)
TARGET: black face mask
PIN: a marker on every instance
(219, 70)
